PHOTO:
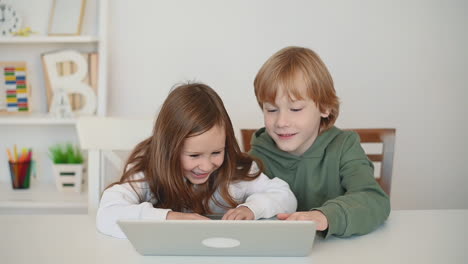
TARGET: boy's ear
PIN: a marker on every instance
(325, 114)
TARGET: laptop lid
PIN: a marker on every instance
(220, 238)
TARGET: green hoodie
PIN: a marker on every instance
(333, 176)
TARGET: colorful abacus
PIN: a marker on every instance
(16, 89)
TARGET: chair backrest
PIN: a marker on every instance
(246, 137)
(109, 133)
(101, 136)
(385, 136)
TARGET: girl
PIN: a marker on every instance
(191, 166)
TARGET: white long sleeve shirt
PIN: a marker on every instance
(264, 196)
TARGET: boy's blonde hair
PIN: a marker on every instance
(297, 64)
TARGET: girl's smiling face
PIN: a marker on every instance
(203, 154)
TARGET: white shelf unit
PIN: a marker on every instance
(37, 129)
(49, 39)
(35, 119)
(41, 198)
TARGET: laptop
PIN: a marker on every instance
(220, 237)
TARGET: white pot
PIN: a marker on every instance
(68, 177)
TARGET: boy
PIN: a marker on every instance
(325, 167)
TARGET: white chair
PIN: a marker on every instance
(101, 136)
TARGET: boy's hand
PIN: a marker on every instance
(185, 216)
(316, 216)
(239, 213)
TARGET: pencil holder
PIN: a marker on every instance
(20, 174)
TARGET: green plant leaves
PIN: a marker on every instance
(66, 154)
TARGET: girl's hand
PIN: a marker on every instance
(185, 216)
(239, 213)
(316, 216)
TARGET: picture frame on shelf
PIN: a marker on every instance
(15, 90)
(66, 17)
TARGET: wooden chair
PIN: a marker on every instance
(246, 137)
(384, 136)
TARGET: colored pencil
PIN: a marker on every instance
(24, 155)
(15, 150)
(29, 155)
(15, 170)
(10, 157)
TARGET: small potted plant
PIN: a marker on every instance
(68, 166)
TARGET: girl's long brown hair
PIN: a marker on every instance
(189, 110)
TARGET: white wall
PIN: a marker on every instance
(401, 64)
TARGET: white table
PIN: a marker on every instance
(437, 236)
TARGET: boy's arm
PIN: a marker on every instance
(365, 205)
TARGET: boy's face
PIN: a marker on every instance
(293, 124)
